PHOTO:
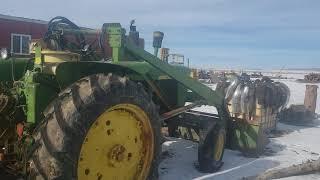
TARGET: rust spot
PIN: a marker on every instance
(81, 159)
(129, 156)
(135, 140)
(109, 132)
(87, 171)
(108, 123)
(86, 140)
(139, 124)
(99, 176)
(143, 136)
(140, 165)
(19, 129)
(96, 123)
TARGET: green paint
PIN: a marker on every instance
(14, 67)
(247, 137)
(31, 100)
(38, 56)
(39, 90)
(114, 31)
(211, 96)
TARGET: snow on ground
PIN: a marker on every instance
(299, 145)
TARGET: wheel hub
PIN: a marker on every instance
(117, 154)
(119, 145)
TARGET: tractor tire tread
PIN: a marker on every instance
(70, 116)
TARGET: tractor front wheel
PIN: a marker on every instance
(211, 148)
(101, 127)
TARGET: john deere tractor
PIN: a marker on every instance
(91, 104)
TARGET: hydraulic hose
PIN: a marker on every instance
(55, 32)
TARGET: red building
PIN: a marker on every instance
(16, 33)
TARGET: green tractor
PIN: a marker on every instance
(79, 110)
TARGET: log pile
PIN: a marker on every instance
(302, 114)
(297, 115)
(312, 77)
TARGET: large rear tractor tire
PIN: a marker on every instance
(101, 127)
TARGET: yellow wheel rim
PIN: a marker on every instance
(118, 145)
(219, 146)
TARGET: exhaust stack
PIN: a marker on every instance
(157, 41)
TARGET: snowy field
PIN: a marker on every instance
(298, 145)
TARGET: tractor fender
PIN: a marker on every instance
(67, 73)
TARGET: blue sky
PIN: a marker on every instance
(268, 34)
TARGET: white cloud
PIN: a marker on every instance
(241, 30)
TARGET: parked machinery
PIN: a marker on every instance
(312, 77)
(245, 94)
(256, 104)
(82, 108)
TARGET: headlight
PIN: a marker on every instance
(4, 53)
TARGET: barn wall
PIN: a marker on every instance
(7, 27)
